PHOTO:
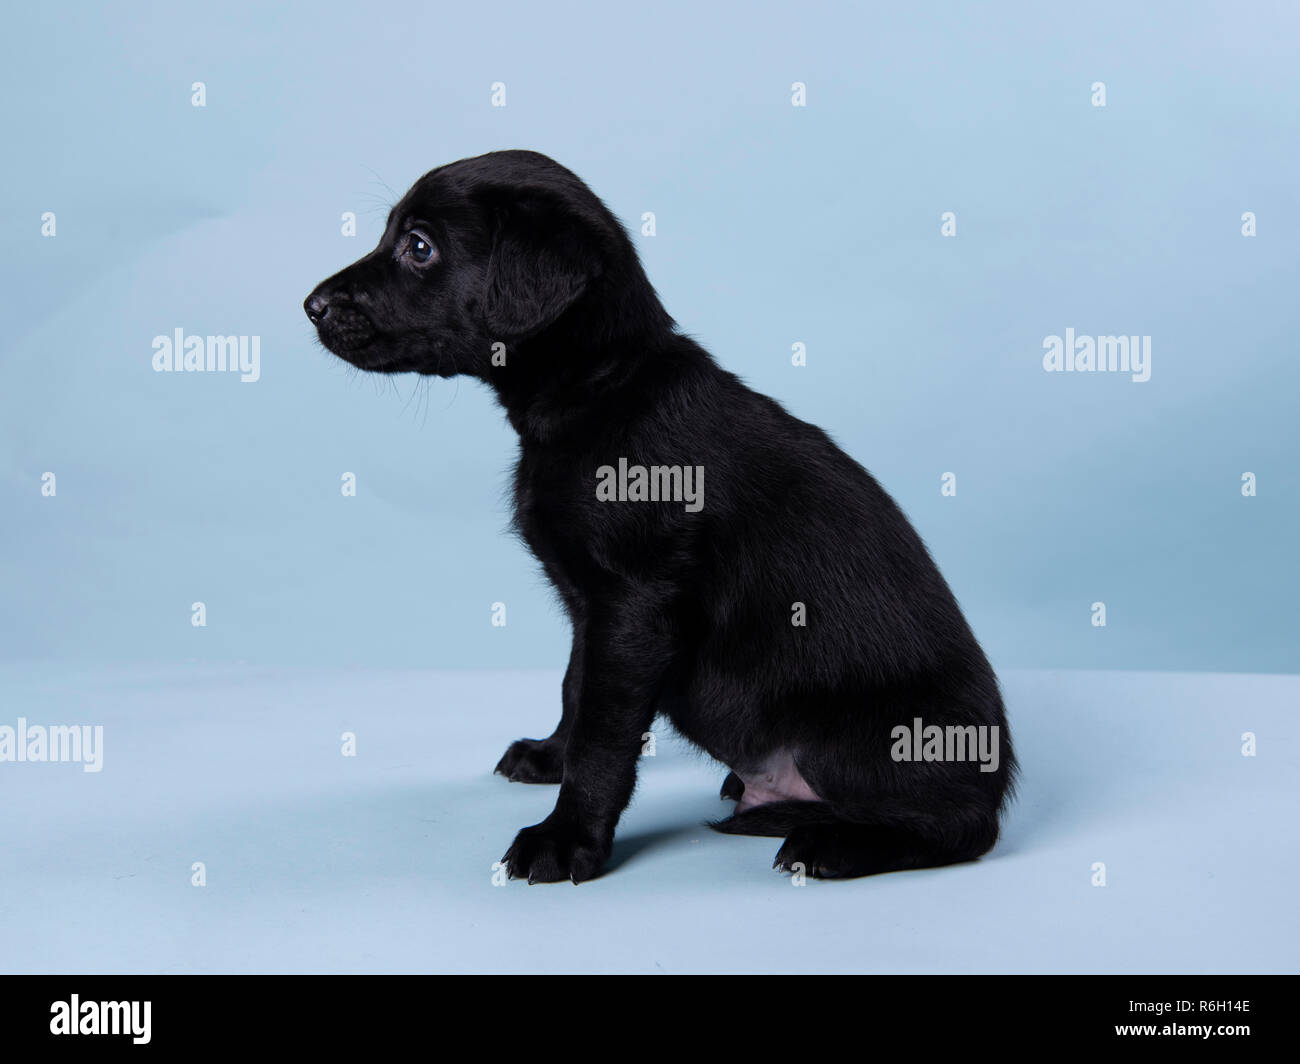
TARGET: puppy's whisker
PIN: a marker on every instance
(394, 197)
(378, 207)
(415, 389)
(426, 396)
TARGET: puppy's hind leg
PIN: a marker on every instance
(733, 787)
(892, 812)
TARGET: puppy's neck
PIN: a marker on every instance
(583, 372)
(553, 390)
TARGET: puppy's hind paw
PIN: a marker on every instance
(828, 851)
(733, 787)
(533, 761)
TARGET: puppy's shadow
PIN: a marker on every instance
(629, 847)
(676, 819)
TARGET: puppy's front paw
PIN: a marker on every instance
(554, 850)
(533, 761)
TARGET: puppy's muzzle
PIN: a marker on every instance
(342, 326)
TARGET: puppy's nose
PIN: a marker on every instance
(316, 306)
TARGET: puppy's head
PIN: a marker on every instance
(495, 249)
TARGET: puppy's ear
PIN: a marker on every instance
(543, 257)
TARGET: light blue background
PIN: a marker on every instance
(775, 225)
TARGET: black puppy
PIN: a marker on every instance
(789, 621)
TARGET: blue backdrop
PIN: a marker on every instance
(774, 225)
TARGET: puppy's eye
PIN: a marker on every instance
(419, 248)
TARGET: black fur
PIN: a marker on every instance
(685, 614)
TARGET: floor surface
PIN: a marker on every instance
(383, 862)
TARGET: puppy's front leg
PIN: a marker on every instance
(542, 760)
(623, 661)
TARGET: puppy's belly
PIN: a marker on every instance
(776, 779)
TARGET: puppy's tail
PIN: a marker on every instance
(888, 838)
(775, 819)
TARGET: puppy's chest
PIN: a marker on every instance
(566, 523)
(552, 513)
